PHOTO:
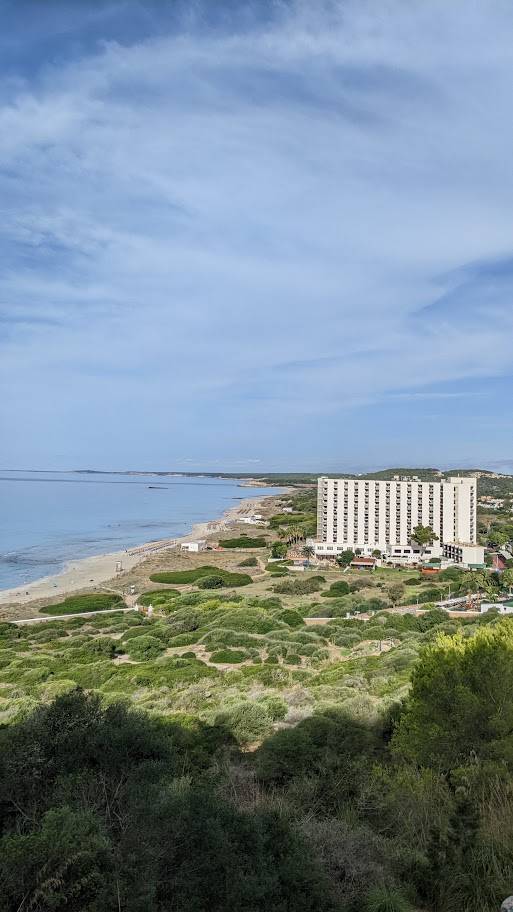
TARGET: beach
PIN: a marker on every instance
(98, 570)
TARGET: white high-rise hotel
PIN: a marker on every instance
(371, 514)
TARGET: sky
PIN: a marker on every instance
(269, 236)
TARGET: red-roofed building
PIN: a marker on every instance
(363, 563)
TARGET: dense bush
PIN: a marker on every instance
(290, 519)
(229, 656)
(429, 594)
(275, 707)
(336, 589)
(211, 582)
(192, 576)
(397, 793)
(290, 617)
(144, 647)
(249, 562)
(74, 604)
(159, 598)
(278, 549)
(460, 701)
(247, 721)
(244, 541)
(110, 830)
(299, 586)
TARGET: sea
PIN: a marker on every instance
(50, 518)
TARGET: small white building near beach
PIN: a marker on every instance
(194, 546)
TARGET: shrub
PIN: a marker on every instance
(191, 576)
(221, 638)
(276, 708)
(211, 582)
(384, 899)
(430, 594)
(293, 659)
(100, 647)
(249, 562)
(248, 621)
(138, 631)
(299, 586)
(183, 639)
(229, 656)
(94, 601)
(145, 647)
(337, 589)
(290, 617)
(243, 542)
(279, 549)
(159, 597)
(248, 721)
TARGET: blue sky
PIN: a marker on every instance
(256, 236)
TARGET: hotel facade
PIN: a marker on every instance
(370, 515)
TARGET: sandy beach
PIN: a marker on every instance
(89, 572)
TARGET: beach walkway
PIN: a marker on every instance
(65, 617)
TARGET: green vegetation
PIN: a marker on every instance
(279, 549)
(337, 589)
(159, 598)
(74, 604)
(226, 754)
(211, 582)
(249, 562)
(345, 558)
(229, 656)
(424, 535)
(244, 541)
(299, 586)
(180, 577)
(291, 519)
(144, 647)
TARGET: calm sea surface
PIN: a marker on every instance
(49, 518)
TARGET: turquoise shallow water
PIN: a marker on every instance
(48, 518)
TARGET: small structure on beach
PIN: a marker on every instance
(194, 546)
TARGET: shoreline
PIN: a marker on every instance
(94, 571)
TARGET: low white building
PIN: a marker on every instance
(412, 554)
(194, 546)
(468, 555)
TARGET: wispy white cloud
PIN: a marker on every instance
(244, 227)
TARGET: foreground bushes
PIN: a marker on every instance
(96, 815)
(348, 809)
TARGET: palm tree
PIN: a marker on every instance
(308, 551)
(295, 534)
